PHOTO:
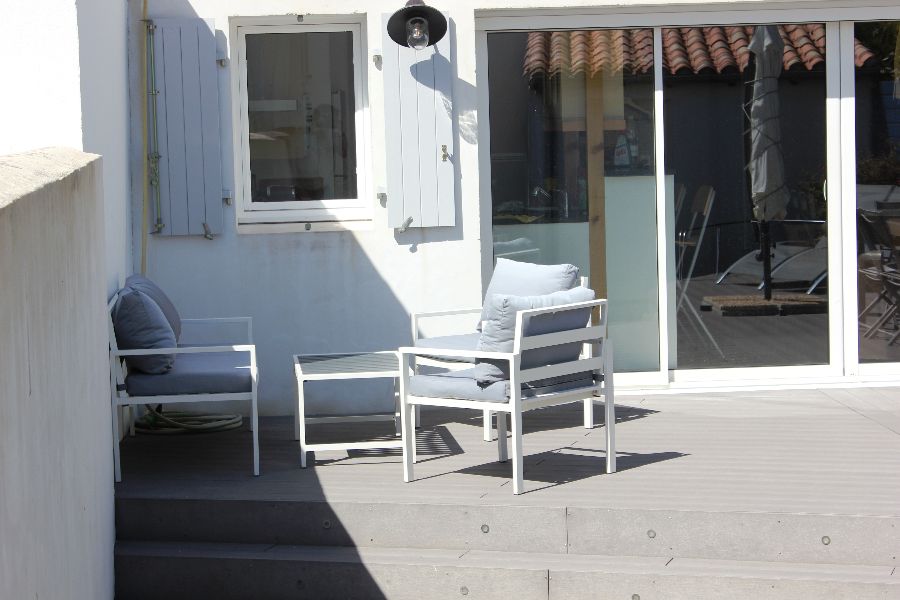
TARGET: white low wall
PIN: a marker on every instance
(56, 492)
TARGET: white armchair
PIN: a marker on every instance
(555, 355)
(176, 373)
(509, 277)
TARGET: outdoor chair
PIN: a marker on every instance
(150, 363)
(692, 239)
(533, 352)
(692, 236)
(509, 277)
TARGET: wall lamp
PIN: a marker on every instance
(417, 25)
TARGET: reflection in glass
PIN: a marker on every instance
(876, 55)
(745, 142)
(572, 171)
(300, 104)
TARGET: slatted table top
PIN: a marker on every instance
(349, 365)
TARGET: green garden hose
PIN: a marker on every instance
(173, 422)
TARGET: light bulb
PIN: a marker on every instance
(417, 33)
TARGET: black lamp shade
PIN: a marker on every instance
(437, 24)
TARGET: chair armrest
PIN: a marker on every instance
(416, 317)
(445, 313)
(186, 350)
(446, 352)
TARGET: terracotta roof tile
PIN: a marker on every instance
(716, 49)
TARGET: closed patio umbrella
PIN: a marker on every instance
(766, 163)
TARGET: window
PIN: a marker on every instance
(573, 168)
(301, 116)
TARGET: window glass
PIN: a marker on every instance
(877, 52)
(300, 104)
(572, 168)
(745, 143)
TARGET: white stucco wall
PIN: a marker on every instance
(323, 292)
(103, 62)
(56, 491)
(338, 291)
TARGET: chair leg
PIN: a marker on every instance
(609, 400)
(397, 430)
(488, 426)
(254, 427)
(131, 419)
(517, 475)
(501, 437)
(409, 439)
(117, 467)
(589, 413)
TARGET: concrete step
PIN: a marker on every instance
(744, 536)
(223, 571)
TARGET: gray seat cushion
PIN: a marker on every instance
(140, 324)
(201, 373)
(142, 284)
(464, 385)
(528, 279)
(466, 341)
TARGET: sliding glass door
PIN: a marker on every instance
(745, 141)
(733, 189)
(877, 136)
(573, 171)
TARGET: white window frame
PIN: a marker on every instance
(843, 367)
(254, 217)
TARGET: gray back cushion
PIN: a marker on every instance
(142, 284)
(499, 328)
(527, 279)
(140, 324)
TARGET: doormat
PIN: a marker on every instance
(754, 305)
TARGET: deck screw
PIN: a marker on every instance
(826, 540)
(651, 534)
(464, 591)
(485, 528)
(326, 524)
(635, 597)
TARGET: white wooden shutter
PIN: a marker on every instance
(421, 154)
(187, 107)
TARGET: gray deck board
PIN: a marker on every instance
(801, 452)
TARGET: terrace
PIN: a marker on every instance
(791, 493)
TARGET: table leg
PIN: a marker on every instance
(301, 423)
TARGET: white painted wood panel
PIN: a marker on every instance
(419, 134)
(190, 182)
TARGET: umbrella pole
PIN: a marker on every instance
(765, 248)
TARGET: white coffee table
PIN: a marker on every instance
(351, 365)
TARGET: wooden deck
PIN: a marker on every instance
(820, 452)
(792, 494)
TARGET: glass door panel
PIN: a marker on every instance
(745, 135)
(877, 91)
(572, 168)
